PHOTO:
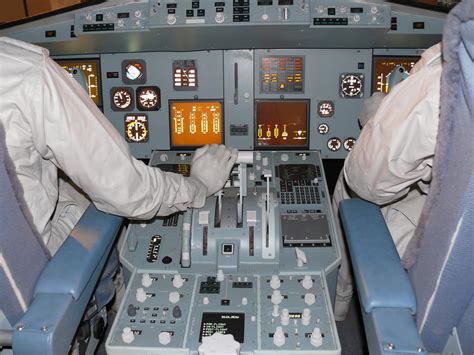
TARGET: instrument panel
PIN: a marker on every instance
(252, 99)
(256, 264)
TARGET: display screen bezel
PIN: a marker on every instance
(287, 147)
(62, 60)
(375, 58)
(170, 118)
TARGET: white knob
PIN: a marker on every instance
(127, 335)
(246, 95)
(265, 161)
(316, 337)
(303, 157)
(220, 275)
(141, 295)
(276, 297)
(164, 338)
(258, 156)
(171, 19)
(138, 13)
(120, 23)
(284, 157)
(205, 300)
(285, 316)
(244, 301)
(309, 299)
(275, 282)
(164, 157)
(374, 9)
(306, 316)
(174, 297)
(265, 17)
(220, 17)
(178, 281)
(276, 310)
(279, 337)
(146, 280)
(356, 18)
(307, 282)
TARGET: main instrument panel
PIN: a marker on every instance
(249, 99)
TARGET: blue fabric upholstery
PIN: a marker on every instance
(22, 257)
(443, 275)
(372, 250)
(65, 287)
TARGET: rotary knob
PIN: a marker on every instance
(220, 18)
(164, 338)
(275, 282)
(171, 19)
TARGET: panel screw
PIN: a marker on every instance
(390, 346)
(44, 328)
(20, 327)
(420, 350)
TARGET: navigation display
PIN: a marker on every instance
(90, 67)
(195, 123)
(281, 123)
(383, 66)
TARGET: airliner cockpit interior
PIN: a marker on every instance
(255, 177)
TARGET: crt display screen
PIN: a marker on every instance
(90, 67)
(281, 123)
(383, 66)
(196, 123)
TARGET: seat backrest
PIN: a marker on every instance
(22, 255)
(442, 272)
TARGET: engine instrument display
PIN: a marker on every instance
(195, 123)
(282, 74)
(121, 99)
(383, 67)
(185, 74)
(134, 71)
(136, 128)
(148, 98)
(282, 123)
(90, 67)
(325, 109)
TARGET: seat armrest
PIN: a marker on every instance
(76, 260)
(381, 280)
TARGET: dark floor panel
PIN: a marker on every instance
(351, 331)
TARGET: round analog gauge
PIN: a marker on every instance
(349, 143)
(122, 98)
(334, 144)
(326, 109)
(136, 128)
(134, 70)
(148, 98)
(352, 85)
(323, 128)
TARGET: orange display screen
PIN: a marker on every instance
(383, 66)
(90, 67)
(196, 123)
(282, 123)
